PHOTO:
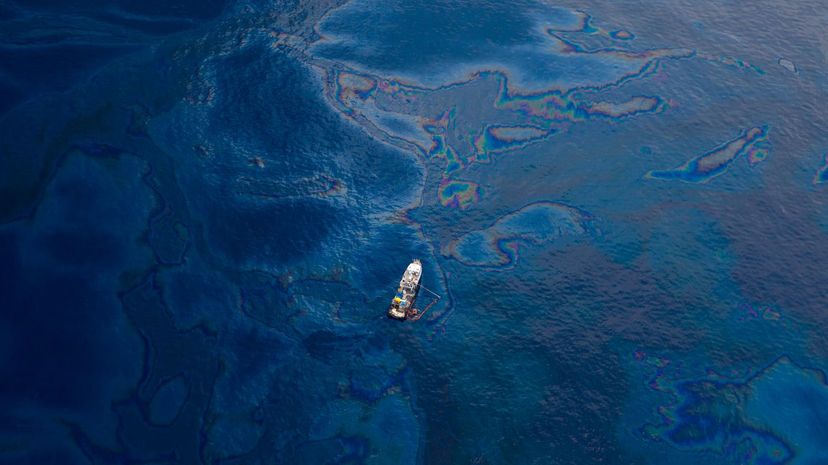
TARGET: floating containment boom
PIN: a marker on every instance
(402, 305)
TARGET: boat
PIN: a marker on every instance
(402, 305)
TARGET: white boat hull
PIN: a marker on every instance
(402, 305)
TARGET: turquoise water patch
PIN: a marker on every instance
(774, 415)
(793, 402)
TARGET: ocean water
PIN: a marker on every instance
(205, 208)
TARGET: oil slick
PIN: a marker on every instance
(458, 194)
(769, 416)
(536, 224)
(752, 143)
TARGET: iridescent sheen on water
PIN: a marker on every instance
(205, 208)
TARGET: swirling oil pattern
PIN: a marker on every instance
(534, 224)
(206, 208)
(763, 417)
(459, 194)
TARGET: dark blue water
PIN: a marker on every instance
(205, 208)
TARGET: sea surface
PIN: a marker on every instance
(206, 206)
